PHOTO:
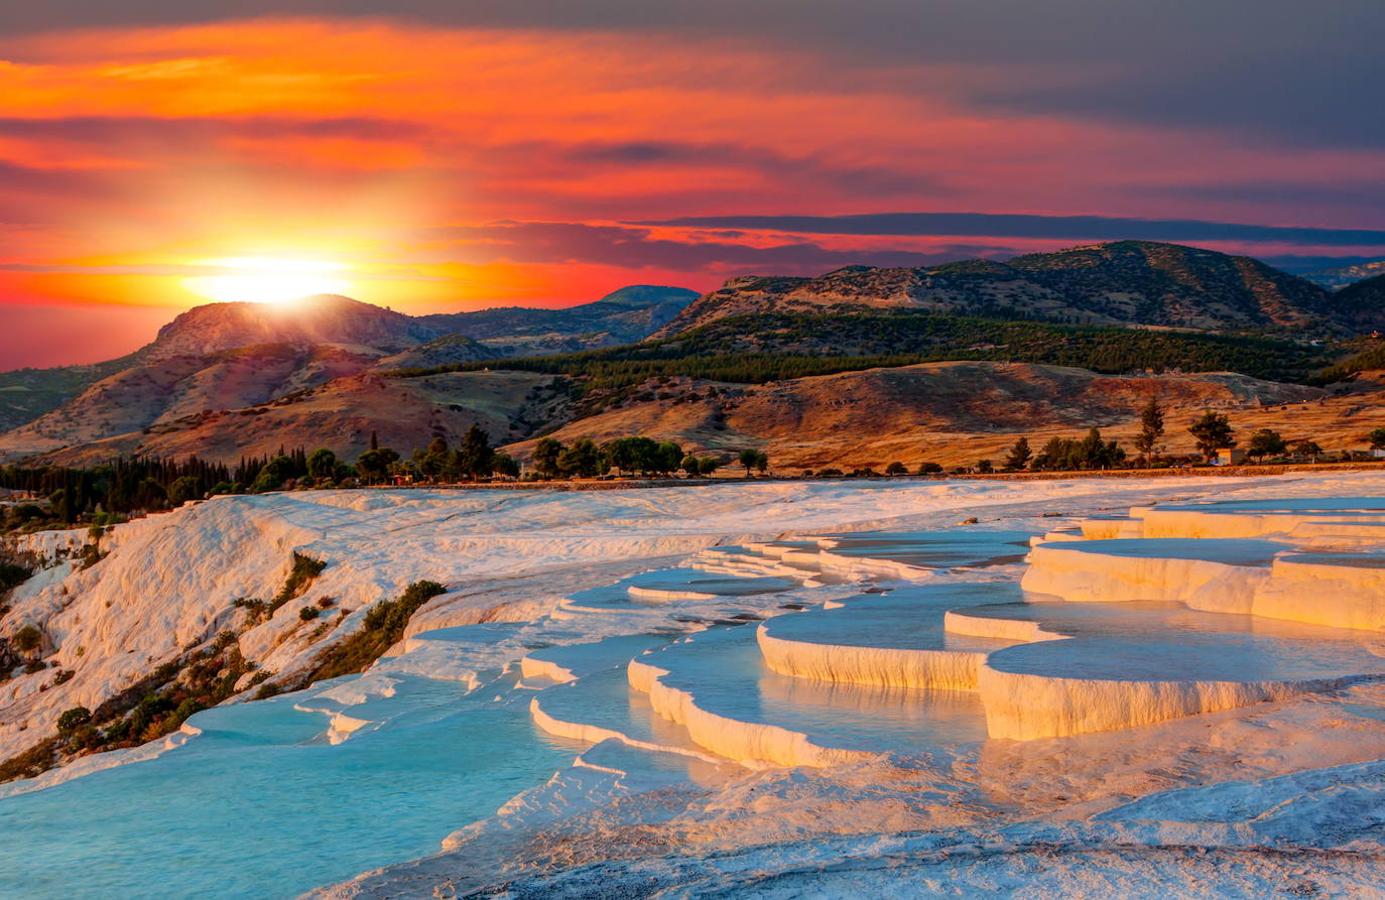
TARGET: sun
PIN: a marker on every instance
(267, 279)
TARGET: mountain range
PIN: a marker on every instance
(232, 379)
(1121, 283)
(224, 355)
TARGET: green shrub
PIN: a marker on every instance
(383, 627)
(12, 575)
(301, 576)
(307, 613)
(27, 639)
(73, 719)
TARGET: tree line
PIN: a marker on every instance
(1212, 432)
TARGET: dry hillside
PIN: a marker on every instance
(958, 413)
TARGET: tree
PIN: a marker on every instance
(582, 459)
(1309, 449)
(547, 453)
(474, 457)
(667, 457)
(1212, 432)
(761, 461)
(985, 467)
(690, 465)
(1265, 442)
(709, 464)
(748, 458)
(1377, 439)
(374, 441)
(632, 454)
(1019, 455)
(273, 474)
(183, 489)
(932, 468)
(435, 461)
(1151, 429)
(374, 464)
(322, 464)
(896, 468)
(504, 464)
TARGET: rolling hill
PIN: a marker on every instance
(1123, 283)
(836, 370)
(224, 356)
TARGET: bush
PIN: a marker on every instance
(896, 468)
(301, 575)
(307, 613)
(930, 468)
(383, 627)
(73, 719)
(12, 575)
(27, 639)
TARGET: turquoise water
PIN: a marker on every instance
(259, 807)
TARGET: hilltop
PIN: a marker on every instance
(1121, 283)
(224, 356)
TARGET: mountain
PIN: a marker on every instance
(26, 394)
(622, 317)
(1339, 277)
(312, 321)
(1364, 303)
(1122, 283)
(226, 356)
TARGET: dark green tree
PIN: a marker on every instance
(1265, 442)
(183, 489)
(1151, 429)
(1019, 455)
(547, 453)
(1212, 432)
(474, 456)
(374, 465)
(504, 464)
(322, 464)
(581, 460)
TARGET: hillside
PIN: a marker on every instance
(1121, 283)
(1363, 302)
(1337, 278)
(341, 415)
(625, 316)
(312, 321)
(956, 413)
(232, 355)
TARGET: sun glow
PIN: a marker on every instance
(263, 279)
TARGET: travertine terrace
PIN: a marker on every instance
(748, 680)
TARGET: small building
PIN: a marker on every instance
(1229, 456)
(1378, 452)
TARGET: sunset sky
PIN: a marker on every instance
(454, 155)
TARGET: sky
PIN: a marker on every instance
(442, 155)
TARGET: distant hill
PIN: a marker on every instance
(232, 355)
(622, 317)
(956, 413)
(1122, 283)
(1337, 278)
(1364, 303)
(324, 319)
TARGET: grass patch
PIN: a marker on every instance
(383, 627)
(301, 576)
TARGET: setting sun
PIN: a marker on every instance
(261, 279)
